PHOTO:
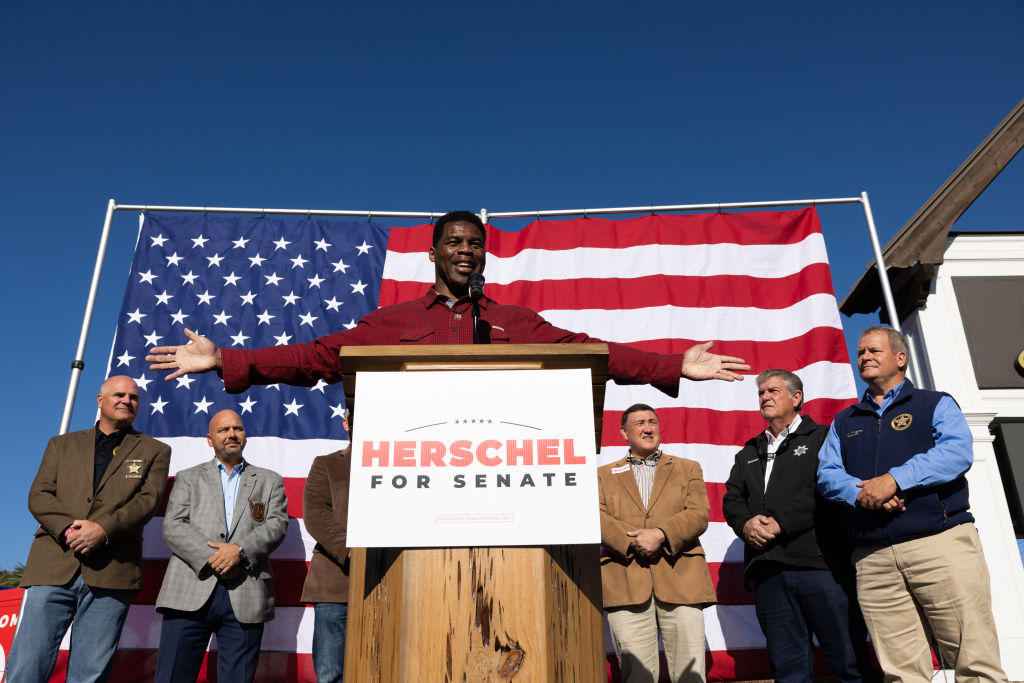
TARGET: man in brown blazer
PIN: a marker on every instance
(325, 514)
(94, 492)
(654, 507)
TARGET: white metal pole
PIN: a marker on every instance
(79, 362)
(883, 275)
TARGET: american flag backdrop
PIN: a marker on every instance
(757, 283)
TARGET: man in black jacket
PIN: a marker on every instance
(795, 550)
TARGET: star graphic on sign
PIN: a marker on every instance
(337, 411)
(158, 241)
(238, 339)
(340, 266)
(315, 281)
(163, 298)
(173, 259)
(147, 277)
(248, 297)
(332, 304)
(280, 244)
(247, 405)
(358, 288)
(257, 260)
(185, 381)
(272, 279)
(124, 359)
(290, 299)
(283, 339)
(292, 408)
(307, 319)
(190, 278)
(231, 279)
(158, 406)
(202, 405)
(222, 318)
(299, 262)
(800, 450)
(136, 317)
(319, 386)
(364, 248)
(179, 317)
(152, 339)
(206, 297)
(215, 260)
(143, 382)
(265, 318)
(199, 241)
(322, 244)
(240, 243)
(350, 324)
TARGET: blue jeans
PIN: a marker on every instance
(185, 635)
(794, 603)
(96, 616)
(329, 641)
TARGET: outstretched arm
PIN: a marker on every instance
(198, 356)
(698, 364)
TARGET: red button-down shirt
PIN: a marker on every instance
(429, 320)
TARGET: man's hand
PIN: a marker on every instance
(895, 504)
(698, 364)
(84, 536)
(759, 530)
(199, 355)
(225, 563)
(875, 493)
(647, 542)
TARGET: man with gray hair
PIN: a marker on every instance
(897, 462)
(795, 552)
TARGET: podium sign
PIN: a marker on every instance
(484, 458)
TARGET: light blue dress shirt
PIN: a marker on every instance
(229, 485)
(951, 456)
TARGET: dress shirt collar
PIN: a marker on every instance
(237, 469)
(650, 461)
(887, 400)
(433, 297)
(117, 436)
(775, 441)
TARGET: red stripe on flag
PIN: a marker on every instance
(718, 427)
(714, 228)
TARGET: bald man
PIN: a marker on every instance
(93, 494)
(223, 520)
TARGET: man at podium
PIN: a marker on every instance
(441, 316)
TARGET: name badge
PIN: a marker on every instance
(620, 469)
(133, 469)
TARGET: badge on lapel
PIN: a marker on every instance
(258, 511)
(133, 469)
(799, 450)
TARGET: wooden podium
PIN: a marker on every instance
(476, 614)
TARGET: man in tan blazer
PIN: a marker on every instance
(654, 507)
(93, 494)
(325, 514)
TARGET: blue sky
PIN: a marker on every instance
(434, 106)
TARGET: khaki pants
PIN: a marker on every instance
(635, 639)
(940, 581)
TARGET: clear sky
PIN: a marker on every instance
(432, 106)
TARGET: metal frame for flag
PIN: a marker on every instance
(78, 364)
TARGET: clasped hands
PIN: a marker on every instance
(225, 563)
(84, 536)
(646, 542)
(760, 530)
(881, 493)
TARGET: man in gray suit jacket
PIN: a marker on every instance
(223, 520)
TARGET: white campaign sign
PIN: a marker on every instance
(473, 458)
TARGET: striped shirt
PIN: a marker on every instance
(643, 472)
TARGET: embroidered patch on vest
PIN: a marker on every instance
(133, 469)
(901, 422)
(855, 432)
(258, 511)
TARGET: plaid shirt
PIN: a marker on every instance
(428, 320)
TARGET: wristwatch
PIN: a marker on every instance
(243, 557)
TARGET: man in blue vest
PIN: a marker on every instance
(898, 461)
